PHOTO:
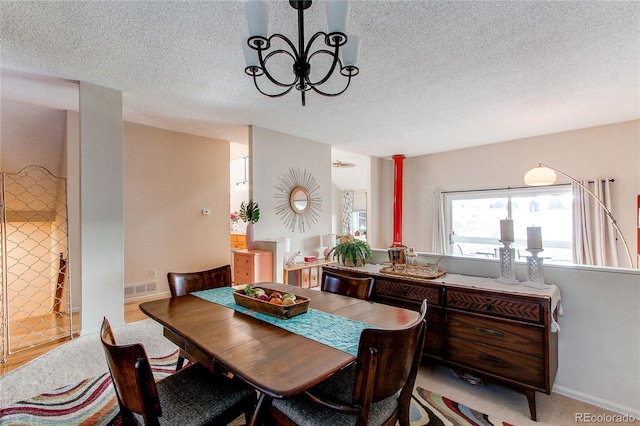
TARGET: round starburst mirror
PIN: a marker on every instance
(299, 203)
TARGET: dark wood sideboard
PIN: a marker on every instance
(500, 336)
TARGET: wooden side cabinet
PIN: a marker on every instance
(306, 275)
(499, 335)
(252, 266)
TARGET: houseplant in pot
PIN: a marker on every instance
(351, 251)
(250, 213)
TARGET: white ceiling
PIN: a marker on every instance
(434, 75)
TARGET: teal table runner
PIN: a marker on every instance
(332, 330)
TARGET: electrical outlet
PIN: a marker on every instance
(153, 273)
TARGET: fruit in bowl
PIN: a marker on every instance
(275, 295)
(273, 302)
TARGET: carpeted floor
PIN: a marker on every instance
(92, 402)
(83, 358)
(429, 408)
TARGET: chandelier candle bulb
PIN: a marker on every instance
(351, 51)
(257, 18)
(534, 238)
(250, 54)
(338, 15)
(506, 230)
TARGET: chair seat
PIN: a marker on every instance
(195, 396)
(303, 412)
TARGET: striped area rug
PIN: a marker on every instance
(90, 402)
(93, 402)
(429, 408)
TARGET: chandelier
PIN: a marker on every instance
(341, 51)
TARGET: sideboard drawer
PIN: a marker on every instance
(508, 307)
(518, 337)
(405, 291)
(519, 367)
(242, 275)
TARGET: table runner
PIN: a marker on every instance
(332, 330)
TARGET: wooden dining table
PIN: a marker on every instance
(276, 362)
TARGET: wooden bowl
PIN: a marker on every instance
(300, 306)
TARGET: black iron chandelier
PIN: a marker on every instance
(342, 50)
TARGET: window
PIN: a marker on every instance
(472, 220)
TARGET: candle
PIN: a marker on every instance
(534, 238)
(506, 230)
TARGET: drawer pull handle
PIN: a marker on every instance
(489, 331)
(488, 306)
(491, 359)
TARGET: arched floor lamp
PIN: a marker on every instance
(545, 175)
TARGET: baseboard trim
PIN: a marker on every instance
(599, 402)
(148, 296)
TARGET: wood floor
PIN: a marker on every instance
(131, 314)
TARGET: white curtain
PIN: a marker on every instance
(347, 212)
(594, 236)
(439, 241)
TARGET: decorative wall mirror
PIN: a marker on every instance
(299, 203)
(299, 200)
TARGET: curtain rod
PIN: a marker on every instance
(501, 189)
(515, 187)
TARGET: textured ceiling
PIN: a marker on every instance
(434, 76)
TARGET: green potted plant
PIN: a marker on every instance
(250, 212)
(351, 251)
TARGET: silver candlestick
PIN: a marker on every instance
(507, 264)
(535, 276)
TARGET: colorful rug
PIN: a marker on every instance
(429, 408)
(93, 402)
(90, 402)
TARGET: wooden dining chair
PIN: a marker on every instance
(192, 396)
(181, 283)
(361, 288)
(375, 391)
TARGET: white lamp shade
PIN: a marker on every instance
(540, 176)
(287, 245)
(257, 18)
(350, 51)
(329, 240)
(338, 15)
(250, 54)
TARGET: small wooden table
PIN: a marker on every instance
(309, 273)
(278, 363)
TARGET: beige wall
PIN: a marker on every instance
(272, 154)
(170, 178)
(610, 151)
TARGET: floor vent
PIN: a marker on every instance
(140, 289)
